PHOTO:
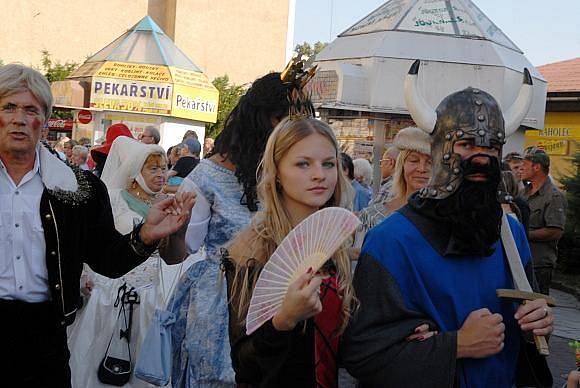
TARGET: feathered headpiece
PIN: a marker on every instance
(296, 78)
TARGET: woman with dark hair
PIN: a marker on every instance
(225, 184)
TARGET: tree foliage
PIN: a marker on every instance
(229, 96)
(569, 255)
(54, 70)
(307, 50)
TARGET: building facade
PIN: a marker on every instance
(241, 39)
(560, 137)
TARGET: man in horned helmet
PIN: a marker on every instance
(439, 261)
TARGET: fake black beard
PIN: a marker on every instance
(473, 211)
(467, 223)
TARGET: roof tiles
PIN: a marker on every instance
(563, 76)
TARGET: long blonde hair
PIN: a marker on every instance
(273, 223)
(399, 188)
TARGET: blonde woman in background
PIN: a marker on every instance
(412, 173)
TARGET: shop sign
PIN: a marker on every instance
(553, 147)
(135, 71)
(555, 133)
(161, 90)
(132, 96)
(195, 104)
(84, 116)
(194, 97)
(60, 124)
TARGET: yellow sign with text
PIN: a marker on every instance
(552, 147)
(194, 103)
(131, 96)
(156, 89)
(134, 71)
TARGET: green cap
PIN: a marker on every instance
(537, 155)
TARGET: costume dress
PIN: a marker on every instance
(90, 334)
(404, 257)
(201, 348)
(96, 321)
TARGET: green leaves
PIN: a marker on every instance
(229, 96)
(308, 50)
(55, 71)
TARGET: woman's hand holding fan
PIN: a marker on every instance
(304, 250)
(301, 302)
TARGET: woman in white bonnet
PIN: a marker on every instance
(134, 174)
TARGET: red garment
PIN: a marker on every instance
(113, 132)
(326, 335)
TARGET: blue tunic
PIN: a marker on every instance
(201, 347)
(447, 289)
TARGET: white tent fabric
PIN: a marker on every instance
(458, 47)
(452, 18)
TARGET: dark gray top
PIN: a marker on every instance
(547, 210)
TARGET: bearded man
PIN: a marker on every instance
(439, 261)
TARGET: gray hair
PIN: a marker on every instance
(154, 132)
(16, 78)
(82, 151)
(363, 168)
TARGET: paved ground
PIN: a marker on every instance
(562, 357)
(567, 327)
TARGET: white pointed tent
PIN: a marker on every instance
(364, 68)
(144, 73)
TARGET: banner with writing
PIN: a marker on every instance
(131, 95)
(155, 89)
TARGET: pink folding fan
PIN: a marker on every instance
(310, 244)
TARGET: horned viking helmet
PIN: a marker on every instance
(467, 114)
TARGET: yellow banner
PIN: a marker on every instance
(552, 147)
(555, 133)
(192, 79)
(134, 71)
(131, 96)
(195, 103)
(154, 89)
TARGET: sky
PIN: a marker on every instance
(545, 30)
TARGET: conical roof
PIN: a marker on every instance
(457, 18)
(364, 68)
(145, 42)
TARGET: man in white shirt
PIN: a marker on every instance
(52, 219)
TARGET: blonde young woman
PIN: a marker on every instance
(300, 174)
(412, 173)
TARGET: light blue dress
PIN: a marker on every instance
(201, 347)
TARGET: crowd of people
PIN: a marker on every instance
(91, 232)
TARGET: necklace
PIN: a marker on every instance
(141, 196)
